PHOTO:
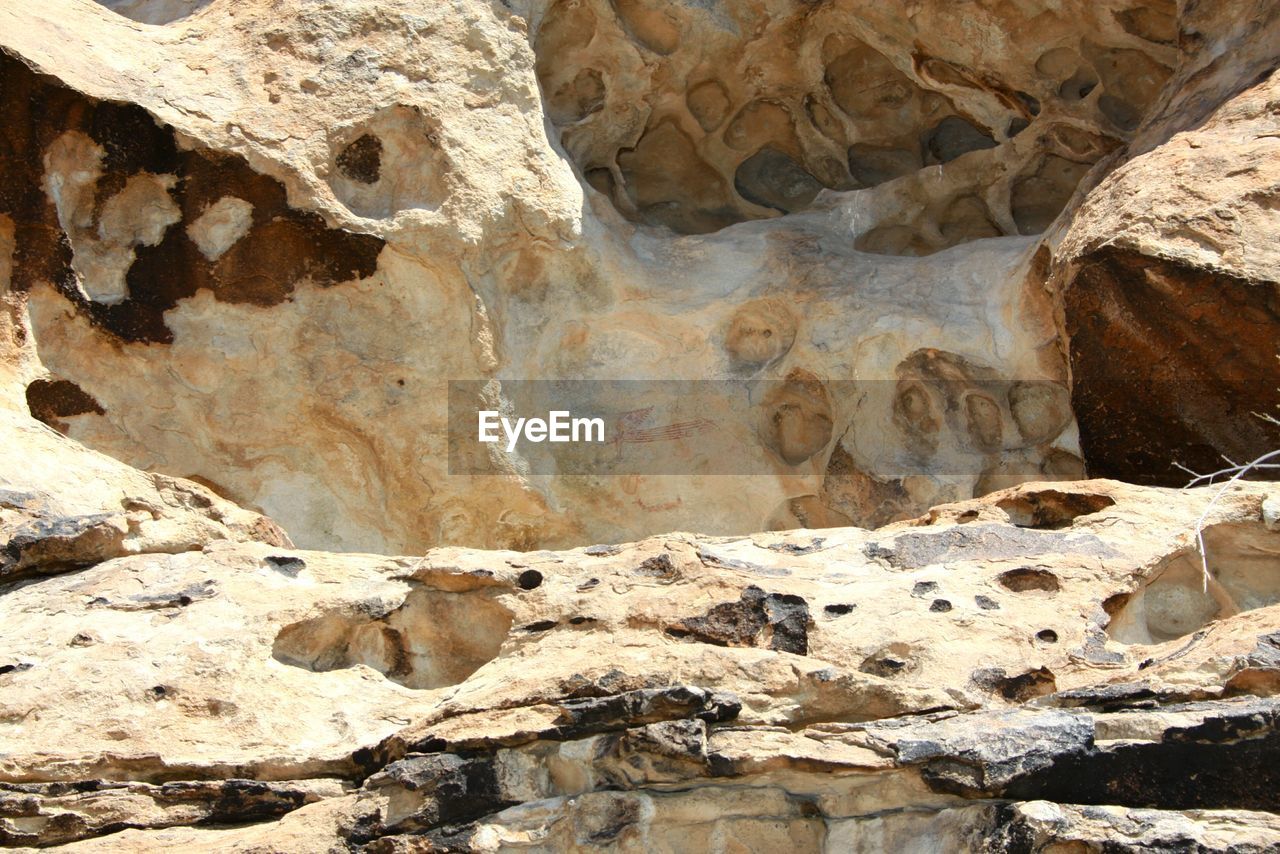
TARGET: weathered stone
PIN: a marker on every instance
(901, 270)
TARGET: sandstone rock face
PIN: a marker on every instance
(1170, 284)
(862, 291)
(314, 189)
(1034, 668)
(336, 210)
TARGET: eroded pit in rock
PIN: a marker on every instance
(695, 117)
(1176, 600)
(1052, 509)
(432, 640)
(155, 11)
(388, 163)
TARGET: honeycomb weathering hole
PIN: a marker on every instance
(155, 11)
(1174, 600)
(433, 640)
(388, 163)
(1052, 508)
(695, 116)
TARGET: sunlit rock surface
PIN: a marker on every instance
(920, 268)
(255, 243)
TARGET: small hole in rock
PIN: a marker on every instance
(530, 579)
(432, 640)
(1028, 578)
(924, 588)
(1051, 509)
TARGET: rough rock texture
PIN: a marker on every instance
(309, 190)
(1030, 669)
(921, 268)
(1170, 276)
(249, 244)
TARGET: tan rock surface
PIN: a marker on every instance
(919, 266)
(418, 138)
(795, 667)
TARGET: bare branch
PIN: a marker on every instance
(1261, 462)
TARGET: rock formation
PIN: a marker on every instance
(863, 291)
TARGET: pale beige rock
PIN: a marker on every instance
(221, 225)
(247, 661)
(431, 136)
(429, 129)
(244, 245)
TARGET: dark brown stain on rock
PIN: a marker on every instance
(859, 496)
(52, 400)
(362, 160)
(1018, 688)
(282, 246)
(744, 623)
(1171, 364)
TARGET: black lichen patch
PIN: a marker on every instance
(1111, 696)
(1018, 688)
(1210, 755)
(242, 801)
(1230, 761)
(658, 566)
(287, 564)
(362, 160)
(282, 247)
(780, 621)
(982, 542)
(591, 715)
(924, 588)
(160, 599)
(454, 788)
(52, 400)
(814, 545)
(54, 543)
